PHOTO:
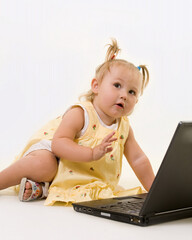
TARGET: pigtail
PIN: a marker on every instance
(88, 96)
(110, 60)
(112, 51)
(145, 75)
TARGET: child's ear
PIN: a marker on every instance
(94, 85)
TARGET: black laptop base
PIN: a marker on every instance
(108, 215)
(87, 208)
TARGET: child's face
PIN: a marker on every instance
(117, 94)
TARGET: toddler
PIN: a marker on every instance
(80, 153)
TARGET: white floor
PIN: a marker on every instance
(35, 221)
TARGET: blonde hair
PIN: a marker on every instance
(110, 60)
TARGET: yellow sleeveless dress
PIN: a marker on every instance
(76, 181)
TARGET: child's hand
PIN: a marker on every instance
(103, 148)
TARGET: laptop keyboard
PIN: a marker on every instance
(125, 207)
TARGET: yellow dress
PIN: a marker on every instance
(77, 181)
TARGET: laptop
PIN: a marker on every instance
(170, 196)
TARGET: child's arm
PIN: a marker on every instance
(138, 161)
(63, 145)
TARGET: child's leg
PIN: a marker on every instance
(38, 166)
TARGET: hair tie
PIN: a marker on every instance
(139, 68)
(113, 57)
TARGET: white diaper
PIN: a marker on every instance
(42, 145)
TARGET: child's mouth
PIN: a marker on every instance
(120, 105)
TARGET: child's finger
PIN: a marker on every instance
(106, 145)
(109, 136)
(109, 149)
(112, 139)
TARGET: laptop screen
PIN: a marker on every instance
(171, 188)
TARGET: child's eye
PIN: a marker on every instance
(132, 92)
(117, 85)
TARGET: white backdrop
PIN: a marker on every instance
(49, 50)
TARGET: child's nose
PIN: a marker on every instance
(124, 95)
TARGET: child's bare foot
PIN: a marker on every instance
(28, 191)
